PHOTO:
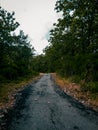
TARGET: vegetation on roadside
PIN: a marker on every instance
(9, 88)
(16, 52)
(16, 56)
(73, 89)
(73, 49)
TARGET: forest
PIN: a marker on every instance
(72, 50)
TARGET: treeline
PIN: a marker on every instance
(73, 50)
(16, 53)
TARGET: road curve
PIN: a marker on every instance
(43, 106)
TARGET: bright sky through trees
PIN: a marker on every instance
(36, 18)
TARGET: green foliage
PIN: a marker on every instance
(90, 86)
(16, 53)
(73, 49)
(40, 64)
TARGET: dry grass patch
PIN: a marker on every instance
(75, 91)
(8, 90)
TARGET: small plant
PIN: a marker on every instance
(90, 86)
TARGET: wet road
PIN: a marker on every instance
(43, 106)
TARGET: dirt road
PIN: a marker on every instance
(43, 106)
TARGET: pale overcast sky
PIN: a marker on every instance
(36, 18)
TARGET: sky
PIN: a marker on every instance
(36, 18)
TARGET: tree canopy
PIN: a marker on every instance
(73, 49)
(15, 50)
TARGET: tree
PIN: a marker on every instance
(15, 50)
(73, 40)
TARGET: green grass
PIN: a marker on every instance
(90, 86)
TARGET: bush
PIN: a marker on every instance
(90, 86)
(9, 73)
(75, 79)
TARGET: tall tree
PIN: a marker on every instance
(15, 50)
(74, 38)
